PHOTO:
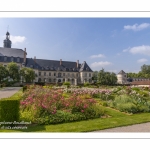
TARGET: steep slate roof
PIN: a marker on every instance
(54, 65)
(12, 52)
(9, 59)
(121, 72)
(85, 67)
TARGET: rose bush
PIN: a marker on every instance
(45, 103)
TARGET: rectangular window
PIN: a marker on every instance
(89, 75)
(54, 74)
(5, 58)
(76, 75)
(63, 74)
(39, 73)
(49, 74)
(85, 74)
(44, 73)
(18, 59)
(12, 59)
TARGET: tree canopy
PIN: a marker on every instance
(3, 73)
(28, 74)
(105, 78)
(13, 71)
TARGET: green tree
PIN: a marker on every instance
(145, 69)
(27, 74)
(3, 73)
(106, 78)
(13, 71)
(95, 76)
(101, 77)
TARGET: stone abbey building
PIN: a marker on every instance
(49, 71)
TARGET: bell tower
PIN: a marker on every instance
(7, 42)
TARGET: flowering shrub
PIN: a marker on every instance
(45, 103)
(103, 94)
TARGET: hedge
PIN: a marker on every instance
(9, 109)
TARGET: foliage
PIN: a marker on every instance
(44, 102)
(13, 71)
(95, 76)
(86, 84)
(67, 84)
(3, 73)
(106, 78)
(130, 104)
(9, 110)
(28, 74)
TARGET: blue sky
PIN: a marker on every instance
(111, 43)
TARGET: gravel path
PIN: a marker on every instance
(144, 127)
(8, 91)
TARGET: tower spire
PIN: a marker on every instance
(7, 42)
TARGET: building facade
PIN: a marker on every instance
(122, 77)
(49, 71)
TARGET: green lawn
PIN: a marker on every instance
(115, 119)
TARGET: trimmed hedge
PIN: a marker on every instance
(9, 109)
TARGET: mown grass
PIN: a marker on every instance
(17, 94)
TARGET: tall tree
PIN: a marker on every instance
(145, 69)
(106, 78)
(13, 71)
(3, 73)
(28, 74)
(95, 76)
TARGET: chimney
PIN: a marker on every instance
(34, 58)
(60, 61)
(77, 63)
(25, 53)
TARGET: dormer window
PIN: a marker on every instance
(31, 66)
(18, 59)
(12, 59)
(5, 58)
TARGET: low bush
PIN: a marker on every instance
(9, 110)
(40, 83)
(67, 84)
(129, 104)
(86, 84)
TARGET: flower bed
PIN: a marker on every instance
(45, 105)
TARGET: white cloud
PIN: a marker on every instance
(17, 39)
(101, 64)
(137, 27)
(144, 49)
(142, 60)
(125, 50)
(97, 56)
